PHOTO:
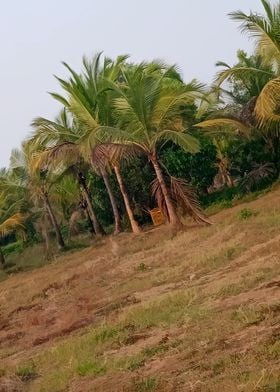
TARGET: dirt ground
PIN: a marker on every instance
(228, 341)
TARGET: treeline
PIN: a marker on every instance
(132, 137)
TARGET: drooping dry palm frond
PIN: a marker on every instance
(109, 154)
(183, 196)
(259, 173)
(60, 156)
(14, 223)
(186, 200)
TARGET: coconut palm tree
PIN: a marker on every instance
(264, 29)
(149, 108)
(59, 146)
(36, 183)
(90, 100)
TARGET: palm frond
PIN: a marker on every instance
(183, 197)
(268, 103)
(186, 141)
(186, 200)
(220, 126)
(254, 177)
(13, 223)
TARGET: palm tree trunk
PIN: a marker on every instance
(60, 241)
(85, 192)
(90, 222)
(112, 198)
(134, 225)
(45, 235)
(173, 217)
(2, 259)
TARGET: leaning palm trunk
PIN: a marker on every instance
(60, 241)
(112, 198)
(86, 196)
(172, 215)
(134, 225)
(45, 235)
(2, 259)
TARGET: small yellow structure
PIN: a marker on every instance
(157, 216)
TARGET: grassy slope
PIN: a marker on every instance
(196, 311)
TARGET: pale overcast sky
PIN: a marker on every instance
(36, 35)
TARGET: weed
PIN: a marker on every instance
(135, 363)
(150, 352)
(27, 372)
(248, 315)
(142, 267)
(218, 367)
(91, 368)
(148, 384)
(246, 213)
(230, 290)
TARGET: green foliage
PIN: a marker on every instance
(13, 247)
(199, 169)
(246, 213)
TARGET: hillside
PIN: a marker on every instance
(196, 311)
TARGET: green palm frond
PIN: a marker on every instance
(242, 73)
(264, 29)
(224, 125)
(186, 141)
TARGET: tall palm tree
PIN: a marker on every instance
(149, 109)
(264, 29)
(90, 99)
(59, 142)
(258, 77)
(37, 183)
(90, 102)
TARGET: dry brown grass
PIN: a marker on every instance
(194, 311)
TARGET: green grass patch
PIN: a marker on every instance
(246, 213)
(91, 368)
(27, 372)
